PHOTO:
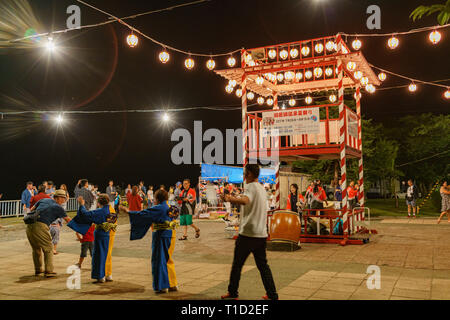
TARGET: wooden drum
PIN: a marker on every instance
(285, 226)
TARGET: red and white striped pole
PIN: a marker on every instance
(277, 167)
(244, 112)
(361, 200)
(342, 136)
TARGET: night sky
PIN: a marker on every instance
(98, 71)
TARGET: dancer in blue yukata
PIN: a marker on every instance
(102, 218)
(161, 218)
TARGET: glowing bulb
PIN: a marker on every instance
(250, 95)
(232, 83)
(292, 102)
(308, 74)
(239, 93)
(166, 117)
(231, 61)
(332, 98)
(289, 75)
(164, 56)
(189, 63)
(272, 53)
(356, 44)
(435, 37)
(351, 66)
(308, 100)
(284, 54)
(447, 94)
(318, 72)
(305, 51)
(299, 76)
(382, 76)
(358, 75)
(259, 80)
(294, 53)
(229, 89)
(329, 72)
(412, 87)
(260, 100)
(356, 96)
(132, 40)
(269, 102)
(280, 77)
(364, 81)
(393, 42)
(210, 64)
(50, 45)
(59, 119)
(370, 88)
(330, 45)
(319, 48)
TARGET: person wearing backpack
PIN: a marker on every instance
(187, 200)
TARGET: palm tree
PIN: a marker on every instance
(443, 9)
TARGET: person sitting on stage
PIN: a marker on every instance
(104, 219)
(162, 217)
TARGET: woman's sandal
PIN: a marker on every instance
(197, 233)
(183, 238)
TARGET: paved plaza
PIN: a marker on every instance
(414, 257)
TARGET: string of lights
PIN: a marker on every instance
(417, 30)
(44, 34)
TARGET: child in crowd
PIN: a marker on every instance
(55, 229)
(87, 243)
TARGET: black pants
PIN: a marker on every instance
(257, 246)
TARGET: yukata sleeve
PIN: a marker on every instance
(84, 219)
(140, 221)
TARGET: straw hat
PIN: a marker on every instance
(60, 193)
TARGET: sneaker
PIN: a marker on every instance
(50, 274)
(109, 279)
(173, 289)
(102, 280)
(37, 273)
(229, 297)
(161, 291)
(267, 298)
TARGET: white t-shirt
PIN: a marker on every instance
(254, 214)
(150, 195)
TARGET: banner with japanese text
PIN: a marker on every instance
(291, 122)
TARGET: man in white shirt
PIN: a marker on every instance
(252, 234)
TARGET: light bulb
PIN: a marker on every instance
(329, 72)
(269, 102)
(356, 96)
(210, 64)
(294, 53)
(332, 98)
(260, 100)
(308, 100)
(318, 72)
(259, 80)
(239, 93)
(229, 89)
(299, 76)
(331, 46)
(358, 75)
(412, 87)
(292, 102)
(232, 83)
(447, 94)
(370, 88)
(289, 75)
(250, 95)
(166, 117)
(393, 42)
(231, 61)
(382, 76)
(319, 48)
(305, 51)
(435, 37)
(351, 66)
(272, 53)
(280, 77)
(364, 81)
(164, 56)
(284, 54)
(132, 40)
(189, 63)
(308, 74)
(356, 44)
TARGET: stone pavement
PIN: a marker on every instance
(414, 259)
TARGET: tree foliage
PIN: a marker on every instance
(443, 9)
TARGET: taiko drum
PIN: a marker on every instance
(285, 226)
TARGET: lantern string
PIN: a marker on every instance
(396, 33)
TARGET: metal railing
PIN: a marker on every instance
(13, 208)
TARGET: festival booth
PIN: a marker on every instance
(300, 71)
